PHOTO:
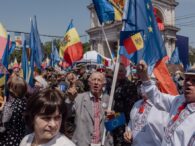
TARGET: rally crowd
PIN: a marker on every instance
(70, 108)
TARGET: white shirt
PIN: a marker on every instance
(147, 127)
(58, 140)
(177, 133)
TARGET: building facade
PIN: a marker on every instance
(165, 15)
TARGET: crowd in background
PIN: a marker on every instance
(70, 84)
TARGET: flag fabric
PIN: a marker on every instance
(30, 78)
(115, 122)
(37, 44)
(134, 43)
(3, 39)
(102, 60)
(71, 49)
(175, 57)
(139, 17)
(12, 48)
(5, 58)
(182, 43)
(25, 66)
(125, 61)
(54, 56)
(18, 39)
(165, 81)
(27, 38)
(106, 11)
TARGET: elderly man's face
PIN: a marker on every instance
(96, 82)
(189, 88)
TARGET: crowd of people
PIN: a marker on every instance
(70, 109)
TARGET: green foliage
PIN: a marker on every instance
(191, 55)
(17, 53)
(86, 47)
(48, 45)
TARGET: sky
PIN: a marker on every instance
(53, 16)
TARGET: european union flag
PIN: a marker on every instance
(139, 16)
(115, 122)
(37, 45)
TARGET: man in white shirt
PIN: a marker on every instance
(146, 124)
(180, 127)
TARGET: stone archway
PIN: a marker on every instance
(159, 18)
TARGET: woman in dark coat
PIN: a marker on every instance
(12, 128)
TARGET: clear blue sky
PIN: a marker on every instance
(185, 15)
(53, 16)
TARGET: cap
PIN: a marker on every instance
(190, 71)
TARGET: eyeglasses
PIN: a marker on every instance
(190, 79)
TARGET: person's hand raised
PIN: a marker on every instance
(142, 71)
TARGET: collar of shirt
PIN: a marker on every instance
(191, 107)
(92, 96)
(149, 102)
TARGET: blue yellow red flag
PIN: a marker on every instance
(139, 17)
(108, 10)
(71, 48)
(101, 60)
(134, 43)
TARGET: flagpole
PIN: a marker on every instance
(116, 69)
(107, 43)
(117, 64)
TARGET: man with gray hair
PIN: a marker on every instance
(89, 110)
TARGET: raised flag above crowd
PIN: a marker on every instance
(71, 48)
(108, 11)
(54, 56)
(139, 17)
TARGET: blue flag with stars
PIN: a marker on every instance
(139, 17)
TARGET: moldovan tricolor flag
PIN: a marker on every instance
(71, 49)
(3, 39)
(134, 43)
(104, 61)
